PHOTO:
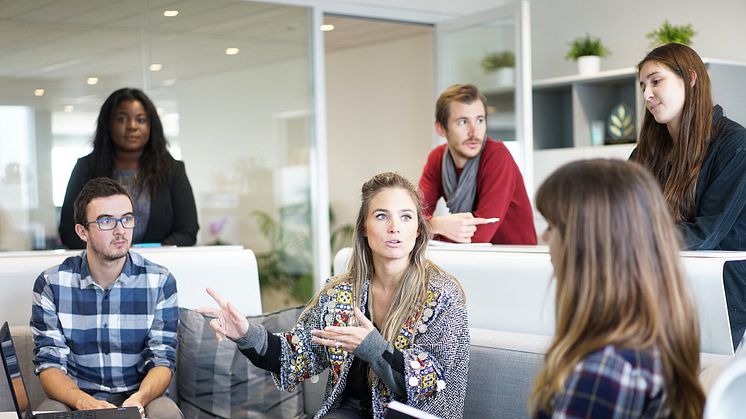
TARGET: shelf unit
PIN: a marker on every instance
(565, 107)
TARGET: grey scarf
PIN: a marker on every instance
(460, 191)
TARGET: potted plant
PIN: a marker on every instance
(587, 51)
(667, 33)
(501, 64)
(285, 270)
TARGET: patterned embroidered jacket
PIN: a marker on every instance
(435, 345)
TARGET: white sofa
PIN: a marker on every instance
(230, 270)
(509, 288)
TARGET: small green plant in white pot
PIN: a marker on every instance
(502, 65)
(587, 52)
(668, 33)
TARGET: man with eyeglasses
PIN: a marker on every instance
(104, 322)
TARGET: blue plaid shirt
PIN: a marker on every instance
(105, 340)
(613, 383)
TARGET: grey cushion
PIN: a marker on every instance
(500, 381)
(216, 380)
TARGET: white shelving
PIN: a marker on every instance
(565, 107)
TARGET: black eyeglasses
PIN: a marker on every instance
(110, 223)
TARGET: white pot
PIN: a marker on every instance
(589, 64)
(505, 76)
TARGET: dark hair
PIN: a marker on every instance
(677, 162)
(618, 277)
(464, 93)
(155, 160)
(99, 187)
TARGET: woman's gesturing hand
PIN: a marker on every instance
(228, 321)
(346, 338)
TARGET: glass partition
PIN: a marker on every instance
(233, 84)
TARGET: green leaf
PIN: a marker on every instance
(668, 33)
(586, 46)
(621, 123)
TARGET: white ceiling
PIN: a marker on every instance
(58, 44)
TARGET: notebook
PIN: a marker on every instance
(20, 394)
(396, 410)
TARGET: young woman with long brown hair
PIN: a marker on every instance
(393, 327)
(698, 157)
(627, 334)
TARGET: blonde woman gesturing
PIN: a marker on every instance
(394, 327)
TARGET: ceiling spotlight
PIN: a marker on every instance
(38, 92)
(170, 13)
(92, 80)
(156, 67)
(232, 51)
(327, 27)
(68, 108)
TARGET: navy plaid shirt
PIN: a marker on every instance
(613, 383)
(105, 340)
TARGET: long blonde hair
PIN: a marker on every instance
(618, 278)
(413, 287)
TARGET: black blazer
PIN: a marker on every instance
(173, 213)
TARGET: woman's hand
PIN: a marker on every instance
(228, 321)
(346, 338)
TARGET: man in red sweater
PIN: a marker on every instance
(476, 175)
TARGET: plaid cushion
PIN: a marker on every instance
(217, 381)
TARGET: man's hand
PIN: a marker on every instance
(459, 227)
(89, 403)
(62, 388)
(135, 401)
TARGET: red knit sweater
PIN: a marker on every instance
(500, 193)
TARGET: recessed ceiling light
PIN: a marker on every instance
(155, 67)
(327, 27)
(169, 82)
(68, 108)
(38, 92)
(92, 80)
(232, 51)
(159, 110)
(170, 13)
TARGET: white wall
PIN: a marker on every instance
(380, 109)
(622, 26)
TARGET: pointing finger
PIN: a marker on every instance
(218, 299)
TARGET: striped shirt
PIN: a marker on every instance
(613, 382)
(106, 340)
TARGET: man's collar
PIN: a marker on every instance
(86, 280)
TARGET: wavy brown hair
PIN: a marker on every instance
(618, 278)
(677, 162)
(464, 93)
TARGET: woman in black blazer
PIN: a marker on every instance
(130, 147)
